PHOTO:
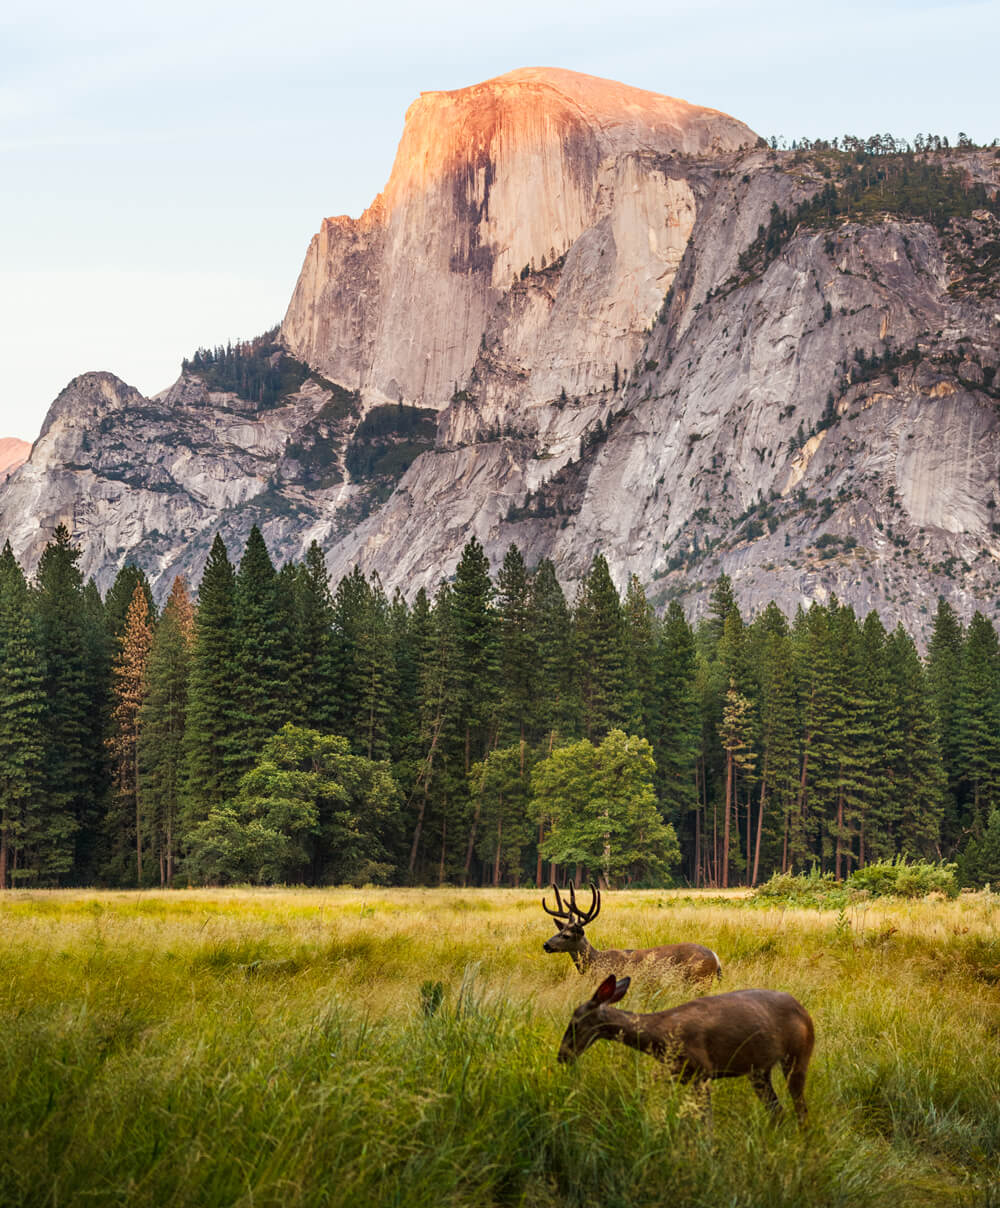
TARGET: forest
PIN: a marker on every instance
(283, 729)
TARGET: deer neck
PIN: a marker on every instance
(584, 956)
(628, 1028)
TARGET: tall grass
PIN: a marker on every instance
(290, 1048)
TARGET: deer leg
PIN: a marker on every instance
(796, 1080)
(760, 1080)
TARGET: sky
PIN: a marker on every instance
(162, 169)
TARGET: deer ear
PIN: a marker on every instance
(606, 990)
(620, 988)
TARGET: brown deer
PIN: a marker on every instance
(744, 1033)
(695, 961)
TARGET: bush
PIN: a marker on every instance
(884, 878)
(898, 878)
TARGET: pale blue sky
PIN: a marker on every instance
(162, 171)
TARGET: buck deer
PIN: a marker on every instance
(744, 1033)
(693, 960)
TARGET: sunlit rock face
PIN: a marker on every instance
(559, 272)
(537, 167)
(13, 453)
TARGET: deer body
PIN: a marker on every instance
(693, 960)
(745, 1033)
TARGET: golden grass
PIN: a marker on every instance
(149, 1038)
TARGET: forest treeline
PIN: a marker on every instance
(284, 729)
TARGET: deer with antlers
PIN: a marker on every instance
(745, 1033)
(693, 960)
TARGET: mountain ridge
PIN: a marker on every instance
(777, 364)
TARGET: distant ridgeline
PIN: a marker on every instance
(880, 175)
(302, 734)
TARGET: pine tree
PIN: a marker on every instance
(212, 730)
(314, 643)
(777, 732)
(119, 598)
(550, 624)
(607, 690)
(161, 727)
(640, 628)
(675, 740)
(129, 694)
(944, 664)
(67, 723)
(736, 735)
(261, 650)
(517, 649)
(917, 771)
(21, 741)
(476, 628)
(978, 717)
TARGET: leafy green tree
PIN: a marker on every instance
(501, 785)
(161, 726)
(602, 809)
(308, 811)
(21, 740)
(980, 863)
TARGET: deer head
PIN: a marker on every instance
(570, 937)
(588, 1022)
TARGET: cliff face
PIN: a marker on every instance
(534, 167)
(630, 339)
(13, 453)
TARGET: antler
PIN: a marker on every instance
(562, 912)
(589, 915)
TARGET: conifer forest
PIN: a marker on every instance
(282, 729)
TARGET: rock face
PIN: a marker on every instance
(13, 453)
(537, 167)
(588, 289)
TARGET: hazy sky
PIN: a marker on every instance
(161, 172)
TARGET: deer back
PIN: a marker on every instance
(728, 1035)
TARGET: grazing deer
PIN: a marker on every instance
(693, 960)
(744, 1033)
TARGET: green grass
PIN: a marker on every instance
(273, 1048)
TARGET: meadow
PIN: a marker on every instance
(291, 1047)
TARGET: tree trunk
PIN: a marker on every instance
(425, 775)
(840, 832)
(538, 869)
(472, 840)
(496, 862)
(444, 839)
(760, 828)
(3, 855)
(725, 820)
(138, 819)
